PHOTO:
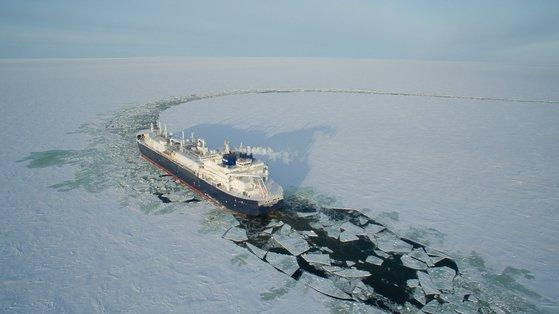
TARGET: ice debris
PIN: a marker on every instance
(382, 254)
(352, 229)
(347, 236)
(372, 229)
(389, 242)
(421, 255)
(412, 283)
(317, 258)
(260, 253)
(412, 263)
(306, 214)
(332, 232)
(309, 233)
(426, 283)
(294, 242)
(442, 277)
(352, 273)
(419, 295)
(324, 286)
(236, 234)
(285, 263)
(371, 259)
(274, 223)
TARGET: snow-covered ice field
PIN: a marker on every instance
(478, 179)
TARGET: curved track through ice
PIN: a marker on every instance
(338, 252)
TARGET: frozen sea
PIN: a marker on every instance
(476, 178)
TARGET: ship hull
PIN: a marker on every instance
(237, 204)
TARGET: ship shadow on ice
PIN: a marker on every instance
(286, 154)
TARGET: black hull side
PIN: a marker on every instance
(244, 206)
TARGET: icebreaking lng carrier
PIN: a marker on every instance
(234, 179)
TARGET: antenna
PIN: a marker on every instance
(192, 136)
(151, 127)
(165, 132)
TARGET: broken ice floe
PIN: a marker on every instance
(442, 277)
(294, 243)
(332, 249)
(347, 236)
(352, 229)
(373, 229)
(412, 283)
(420, 254)
(309, 233)
(352, 273)
(426, 283)
(285, 263)
(323, 285)
(412, 263)
(390, 243)
(236, 234)
(382, 254)
(256, 251)
(274, 223)
(371, 259)
(419, 295)
(317, 258)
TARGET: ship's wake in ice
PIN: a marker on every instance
(341, 253)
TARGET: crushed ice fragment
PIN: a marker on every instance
(305, 214)
(236, 234)
(326, 249)
(432, 307)
(382, 254)
(285, 230)
(436, 259)
(472, 298)
(352, 273)
(323, 286)
(419, 296)
(426, 283)
(274, 223)
(260, 253)
(317, 258)
(324, 220)
(294, 243)
(412, 263)
(309, 233)
(442, 277)
(285, 263)
(412, 283)
(371, 259)
(333, 232)
(347, 236)
(389, 242)
(351, 228)
(466, 307)
(350, 263)
(363, 220)
(332, 269)
(373, 229)
(268, 231)
(421, 255)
